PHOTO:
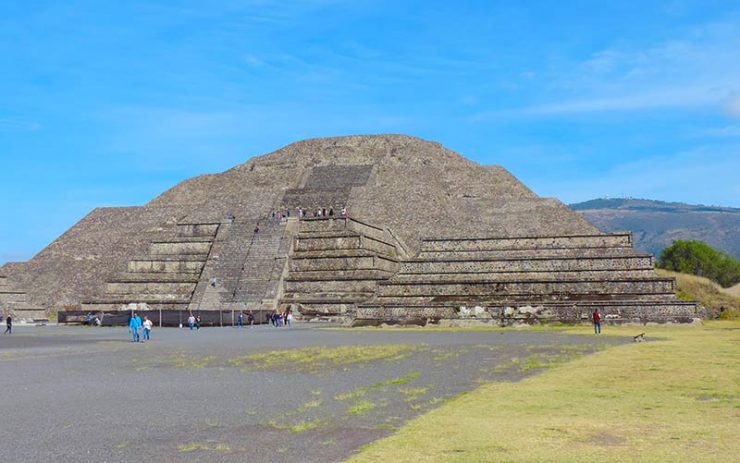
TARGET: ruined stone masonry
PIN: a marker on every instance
(431, 237)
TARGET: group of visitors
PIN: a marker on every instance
(277, 216)
(279, 319)
(135, 326)
(240, 320)
(322, 212)
(194, 322)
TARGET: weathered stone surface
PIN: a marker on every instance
(429, 230)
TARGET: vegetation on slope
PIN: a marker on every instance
(722, 302)
(698, 258)
(673, 398)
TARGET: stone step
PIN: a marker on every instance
(550, 242)
(184, 239)
(336, 253)
(128, 277)
(148, 287)
(179, 248)
(198, 229)
(642, 262)
(529, 253)
(343, 240)
(129, 298)
(521, 298)
(7, 297)
(612, 311)
(543, 275)
(325, 298)
(332, 286)
(341, 263)
(313, 311)
(493, 287)
(91, 306)
(350, 274)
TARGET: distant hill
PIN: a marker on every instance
(656, 224)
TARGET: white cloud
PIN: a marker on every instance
(732, 105)
(7, 124)
(686, 176)
(697, 69)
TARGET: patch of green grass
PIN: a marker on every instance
(203, 446)
(313, 359)
(310, 404)
(295, 428)
(352, 395)
(303, 426)
(413, 393)
(192, 362)
(386, 427)
(360, 408)
(363, 390)
(675, 400)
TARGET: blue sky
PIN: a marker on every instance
(111, 103)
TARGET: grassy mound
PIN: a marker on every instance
(674, 398)
(723, 302)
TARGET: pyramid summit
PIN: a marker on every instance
(429, 236)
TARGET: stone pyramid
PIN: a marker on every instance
(429, 237)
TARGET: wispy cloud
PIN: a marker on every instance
(682, 176)
(694, 70)
(7, 124)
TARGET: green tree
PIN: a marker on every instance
(698, 258)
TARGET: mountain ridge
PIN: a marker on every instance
(656, 224)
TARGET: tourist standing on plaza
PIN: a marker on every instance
(250, 319)
(597, 321)
(191, 322)
(134, 324)
(9, 325)
(240, 320)
(289, 319)
(197, 323)
(147, 328)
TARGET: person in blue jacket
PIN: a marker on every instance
(133, 325)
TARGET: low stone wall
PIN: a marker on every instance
(547, 242)
(178, 248)
(166, 266)
(151, 287)
(619, 312)
(528, 264)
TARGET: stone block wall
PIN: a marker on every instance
(526, 279)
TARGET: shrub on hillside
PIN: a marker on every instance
(698, 258)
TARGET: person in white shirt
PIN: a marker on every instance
(147, 328)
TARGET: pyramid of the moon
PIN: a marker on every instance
(429, 236)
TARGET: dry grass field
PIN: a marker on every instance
(673, 398)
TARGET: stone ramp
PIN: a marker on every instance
(244, 269)
(335, 264)
(528, 280)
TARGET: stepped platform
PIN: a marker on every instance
(336, 263)
(526, 279)
(15, 302)
(166, 277)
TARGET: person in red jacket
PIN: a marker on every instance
(597, 321)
